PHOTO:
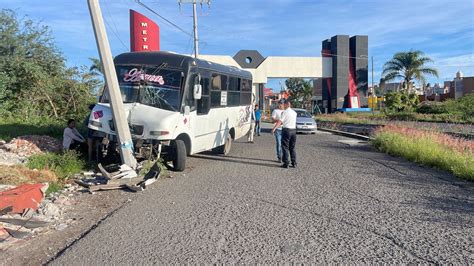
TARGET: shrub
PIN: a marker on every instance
(13, 127)
(63, 165)
(401, 102)
(431, 108)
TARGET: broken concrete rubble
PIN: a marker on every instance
(16, 228)
(119, 177)
(19, 149)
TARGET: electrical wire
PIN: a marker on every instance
(345, 56)
(163, 18)
(115, 32)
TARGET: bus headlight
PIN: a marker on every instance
(95, 123)
(159, 133)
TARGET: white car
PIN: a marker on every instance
(305, 122)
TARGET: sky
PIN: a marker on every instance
(443, 30)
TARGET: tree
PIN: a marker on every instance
(34, 78)
(401, 102)
(408, 66)
(96, 75)
(300, 92)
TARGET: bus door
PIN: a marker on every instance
(200, 123)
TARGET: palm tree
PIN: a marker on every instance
(408, 66)
(96, 75)
(96, 67)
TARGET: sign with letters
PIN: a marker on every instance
(223, 98)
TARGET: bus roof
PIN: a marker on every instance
(176, 61)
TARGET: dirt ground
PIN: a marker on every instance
(86, 213)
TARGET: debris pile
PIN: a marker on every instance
(117, 177)
(25, 212)
(18, 149)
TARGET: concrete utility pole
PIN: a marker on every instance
(124, 137)
(195, 22)
(195, 30)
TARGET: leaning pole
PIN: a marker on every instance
(124, 137)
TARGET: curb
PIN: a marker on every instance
(345, 134)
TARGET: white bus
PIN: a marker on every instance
(188, 105)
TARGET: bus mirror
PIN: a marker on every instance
(197, 91)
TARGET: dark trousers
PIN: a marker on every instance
(80, 147)
(257, 127)
(288, 142)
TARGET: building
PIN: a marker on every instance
(460, 86)
(392, 87)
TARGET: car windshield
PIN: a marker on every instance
(303, 114)
(152, 86)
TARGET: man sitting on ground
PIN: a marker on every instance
(72, 139)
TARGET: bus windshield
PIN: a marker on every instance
(153, 86)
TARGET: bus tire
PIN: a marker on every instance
(179, 155)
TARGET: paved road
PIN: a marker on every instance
(345, 203)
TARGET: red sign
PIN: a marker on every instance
(144, 33)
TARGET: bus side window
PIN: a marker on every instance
(203, 103)
(189, 97)
(246, 93)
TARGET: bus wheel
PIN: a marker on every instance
(179, 155)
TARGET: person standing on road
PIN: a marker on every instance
(252, 126)
(288, 138)
(258, 117)
(276, 116)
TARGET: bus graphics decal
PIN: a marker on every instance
(244, 114)
(135, 75)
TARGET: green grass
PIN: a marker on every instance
(149, 163)
(54, 187)
(13, 127)
(63, 165)
(426, 151)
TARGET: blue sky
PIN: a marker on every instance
(444, 30)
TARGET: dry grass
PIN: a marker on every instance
(16, 175)
(429, 148)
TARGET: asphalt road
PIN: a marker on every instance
(345, 203)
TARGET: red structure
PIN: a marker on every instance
(144, 33)
(353, 84)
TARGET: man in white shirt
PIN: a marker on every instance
(288, 138)
(71, 137)
(276, 116)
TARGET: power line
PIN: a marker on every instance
(115, 32)
(163, 18)
(346, 56)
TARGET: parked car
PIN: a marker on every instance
(305, 122)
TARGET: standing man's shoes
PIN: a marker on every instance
(284, 166)
(279, 160)
(294, 165)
